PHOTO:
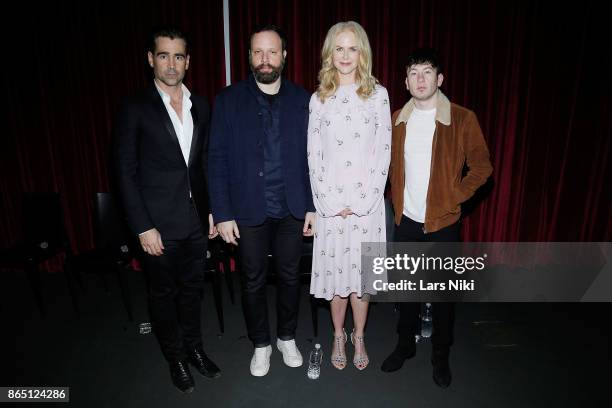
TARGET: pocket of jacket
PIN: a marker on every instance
(454, 206)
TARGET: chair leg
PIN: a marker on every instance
(105, 283)
(227, 271)
(71, 282)
(125, 292)
(33, 275)
(216, 284)
(315, 315)
(76, 273)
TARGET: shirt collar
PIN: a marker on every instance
(166, 97)
(443, 106)
(254, 87)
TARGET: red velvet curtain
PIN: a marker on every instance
(535, 74)
(76, 59)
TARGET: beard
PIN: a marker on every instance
(267, 77)
(172, 81)
(170, 77)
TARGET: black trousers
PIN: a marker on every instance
(176, 282)
(283, 239)
(443, 313)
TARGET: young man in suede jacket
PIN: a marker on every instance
(433, 139)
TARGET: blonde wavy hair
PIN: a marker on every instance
(328, 75)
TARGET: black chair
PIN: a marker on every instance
(224, 253)
(44, 238)
(215, 255)
(111, 253)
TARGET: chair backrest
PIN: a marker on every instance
(110, 228)
(42, 220)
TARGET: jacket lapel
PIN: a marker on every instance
(196, 134)
(164, 116)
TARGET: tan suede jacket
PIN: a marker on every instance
(457, 140)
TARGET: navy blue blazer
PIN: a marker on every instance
(236, 181)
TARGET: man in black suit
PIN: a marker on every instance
(160, 157)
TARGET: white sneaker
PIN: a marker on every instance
(260, 363)
(291, 354)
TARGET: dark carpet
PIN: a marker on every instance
(505, 354)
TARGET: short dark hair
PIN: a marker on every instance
(269, 27)
(425, 56)
(169, 32)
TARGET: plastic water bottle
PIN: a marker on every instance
(144, 328)
(314, 362)
(426, 321)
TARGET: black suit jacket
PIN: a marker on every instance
(153, 178)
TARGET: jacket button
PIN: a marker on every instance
(261, 174)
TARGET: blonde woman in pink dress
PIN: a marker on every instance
(349, 138)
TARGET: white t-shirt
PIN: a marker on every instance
(420, 130)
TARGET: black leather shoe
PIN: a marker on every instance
(181, 377)
(404, 350)
(441, 371)
(203, 364)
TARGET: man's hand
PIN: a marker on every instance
(212, 229)
(309, 222)
(229, 231)
(345, 213)
(151, 242)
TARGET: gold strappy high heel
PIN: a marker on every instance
(360, 361)
(338, 358)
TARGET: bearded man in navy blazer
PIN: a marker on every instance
(160, 160)
(260, 190)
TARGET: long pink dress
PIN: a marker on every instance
(349, 150)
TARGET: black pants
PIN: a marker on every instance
(443, 313)
(283, 239)
(176, 281)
